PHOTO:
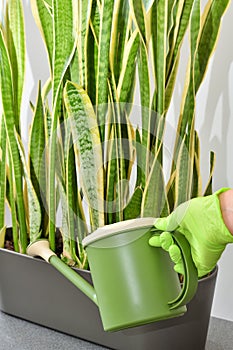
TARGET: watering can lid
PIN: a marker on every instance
(122, 226)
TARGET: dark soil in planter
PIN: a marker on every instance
(9, 245)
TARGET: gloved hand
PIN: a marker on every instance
(200, 221)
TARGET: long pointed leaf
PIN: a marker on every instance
(86, 8)
(154, 201)
(2, 172)
(211, 22)
(137, 10)
(37, 157)
(86, 136)
(103, 62)
(63, 50)
(33, 202)
(184, 173)
(197, 180)
(160, 49)
(209, 190)
(17, 52)
(2, 236)
(12, 204)
(133, 208)
(71, 196)
(124, 25)
(110, 207)
(128, 68)
(8, 107)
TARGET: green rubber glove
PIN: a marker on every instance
(200, 221)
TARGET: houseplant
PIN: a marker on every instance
(108, 44)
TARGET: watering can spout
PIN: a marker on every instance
(41, 248)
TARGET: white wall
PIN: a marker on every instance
(214, 120)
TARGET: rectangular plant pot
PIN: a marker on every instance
(33, 290)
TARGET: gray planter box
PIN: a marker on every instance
(33, 290)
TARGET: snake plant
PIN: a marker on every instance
(90, 162)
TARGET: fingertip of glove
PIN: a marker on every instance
(175, 253)
(155, 241)
(166, 240)
(160, 223)
(179, 268)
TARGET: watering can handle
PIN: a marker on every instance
(190, 281)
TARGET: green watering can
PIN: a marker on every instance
(134, 283)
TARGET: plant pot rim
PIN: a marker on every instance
(212, 274)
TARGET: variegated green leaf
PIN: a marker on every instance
(188, 108)
(46, 89)
(63, 50)
(138, 147)
(38, 154)
(66, 252)
(124, 24)
(133, 208)
(93, 52)
(154, 201)
(71, 195)
(207, 40)
(114, 34)
(37, 149)
(86, 9)
(144, 79)
(17, 52)
(209, 190)
(171, 84)
(181, 22)
(87, 140)
(49, 3)
(103, 62)
(9, 118)
(74, 68)
(172, 13)
(2, 171)
(10, 193)
(187, 114)
(110, 206)
(48, 122)
(2, 236)
(95, 20)
(33, 202)
(92, 67)
(184, 173)
(128, 68)
(159, 38)
(170, 190)
(137, 10)
(197, 180)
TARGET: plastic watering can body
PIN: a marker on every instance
(134, 283)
